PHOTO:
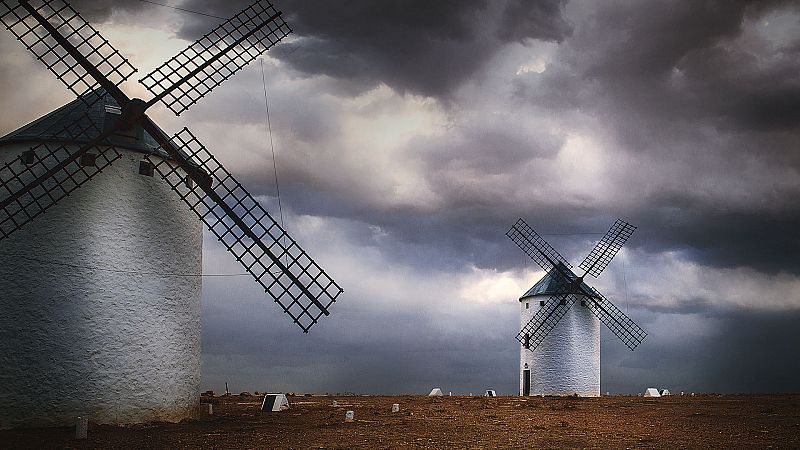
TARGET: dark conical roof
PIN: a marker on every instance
(96, 108)
(553, 283)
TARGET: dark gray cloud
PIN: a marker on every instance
(673, 81)
(702, 114)
(692, 81)
(699, 106)
(761, 240)
(99, 11)
(676, 61)
(745, 352)
(654, 70)
(417, 46)
(543, 20)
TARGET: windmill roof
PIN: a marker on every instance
(97, 111)
(553, 283)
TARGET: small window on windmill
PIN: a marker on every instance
(541, 303)
(111, 117)
(129, 135)
(146, 168)
(527, 305)
(113, 109)
(527, 343)
(27, 158)
(88, 160)
(583, 303)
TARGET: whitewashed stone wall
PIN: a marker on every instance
(112, 337)
(567, 362)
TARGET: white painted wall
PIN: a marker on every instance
(567, 362)
(119, 347)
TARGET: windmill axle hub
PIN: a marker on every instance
(133, 112)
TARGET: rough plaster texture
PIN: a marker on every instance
(109, 335)
(567, 362)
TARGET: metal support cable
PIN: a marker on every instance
(182, 9)
(272, 145)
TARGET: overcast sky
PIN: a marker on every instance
(410, 135)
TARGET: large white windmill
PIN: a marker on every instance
(568, 361)
(100, 298)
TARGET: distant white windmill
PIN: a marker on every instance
(569, 362)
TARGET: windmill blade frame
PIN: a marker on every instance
(248, 231)
(605, 250)
(44, 27)
(191, 74)
(540, 325)
(533, 245)
(615, 320)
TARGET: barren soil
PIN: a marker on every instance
(707, 421)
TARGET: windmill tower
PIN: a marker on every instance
(100, 303)
(568, 361)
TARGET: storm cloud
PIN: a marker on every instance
(364, 43)
(410, 135)
(692, 103)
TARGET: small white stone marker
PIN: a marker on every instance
(450, 394)
(210, 409)
(81, 428)
(334, 403)
(349, 416)
(395, 407)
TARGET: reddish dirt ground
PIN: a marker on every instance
(704, 421)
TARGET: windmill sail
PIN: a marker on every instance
(186, 78)
(258, 242)
(43, 26)
(605, 250)
(536, 247)
(612, 317)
